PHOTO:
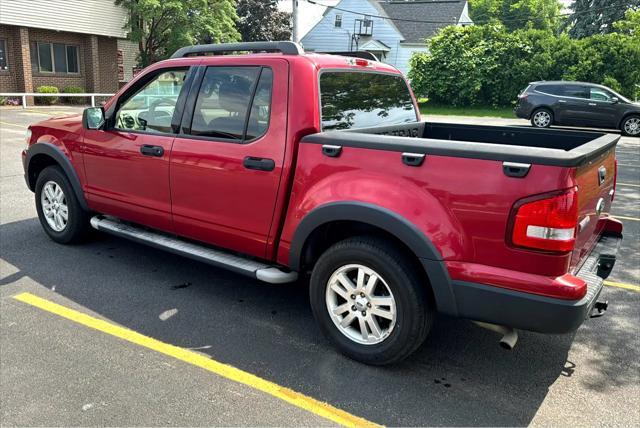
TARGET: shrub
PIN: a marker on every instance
(46, 90)
(73, 90)
(486, 65)
(8, 101)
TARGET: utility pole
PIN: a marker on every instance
(294, 19)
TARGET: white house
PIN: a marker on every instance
(392, 30)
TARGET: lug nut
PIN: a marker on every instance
(353, 296)
(361, 294)
(364, 313)
(368, 305)
(353, 308)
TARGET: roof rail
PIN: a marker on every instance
(287, 48)
(354, 54)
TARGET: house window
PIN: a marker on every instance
(54, 58)
(4, 65)
(338, 23)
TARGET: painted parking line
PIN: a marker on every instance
(626, 218)
(623, 285)
(628, 184)
(229, 372)
(13, 124)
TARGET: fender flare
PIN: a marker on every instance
(387, 220)
(63, 161)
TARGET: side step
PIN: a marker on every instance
(248, 267)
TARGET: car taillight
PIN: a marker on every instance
(548, 223)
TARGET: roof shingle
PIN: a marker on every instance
(404, 12)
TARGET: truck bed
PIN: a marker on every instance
(502, 143)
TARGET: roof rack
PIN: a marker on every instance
(287, 48)
(354, 54)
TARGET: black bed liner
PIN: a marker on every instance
(502, 143)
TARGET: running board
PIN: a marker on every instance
(248, 267)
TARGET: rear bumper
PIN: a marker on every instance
(534, 312)
(522, 110)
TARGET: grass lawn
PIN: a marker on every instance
(504, 112)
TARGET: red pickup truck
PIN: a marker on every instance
(282, 164)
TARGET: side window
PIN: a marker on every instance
(598, 94)
(261, 106)
(151, 108)
(575, 91)
(225, 100)
(550, 89)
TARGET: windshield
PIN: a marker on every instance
(351, 100)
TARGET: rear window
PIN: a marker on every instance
(351, 100)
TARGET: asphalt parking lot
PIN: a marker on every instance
(56, 369)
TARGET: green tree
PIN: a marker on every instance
(517, 14)
(630, 24)
(260, 20)
(162, 26)
(591, 17)
(487, 65)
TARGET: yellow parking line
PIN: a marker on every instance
(622, 285)
(626, 218)
(295, 398)
(13, 124)
(628, 184)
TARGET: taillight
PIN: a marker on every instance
(548, 223)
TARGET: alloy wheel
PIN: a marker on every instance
(542, 119)
(360, 304)
(54, 206)
(632, 126)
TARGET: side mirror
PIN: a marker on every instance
(93, 118)
(614, 100)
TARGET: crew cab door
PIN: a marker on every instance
(127, 162)
(227, 161)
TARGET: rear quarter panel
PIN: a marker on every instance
(462, 205)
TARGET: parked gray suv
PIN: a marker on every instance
(578, 104)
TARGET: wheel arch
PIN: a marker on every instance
(353, 218)
(44, 154)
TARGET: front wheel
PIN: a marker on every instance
(631, 126)
(370, 301)
(59, 211)
(542, 118)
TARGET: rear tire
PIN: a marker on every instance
(542, 118)
(59, 210)
(396, 309)
(631, 126)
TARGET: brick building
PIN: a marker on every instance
(64, 43)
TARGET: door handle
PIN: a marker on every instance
(260, 164)
(561, 101)
(593, 104)
(148, 150)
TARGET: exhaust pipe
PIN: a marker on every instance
(509, 334)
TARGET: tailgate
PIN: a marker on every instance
(596, 182)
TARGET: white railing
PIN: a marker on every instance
(24, 96)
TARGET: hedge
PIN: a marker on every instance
(486, 65)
